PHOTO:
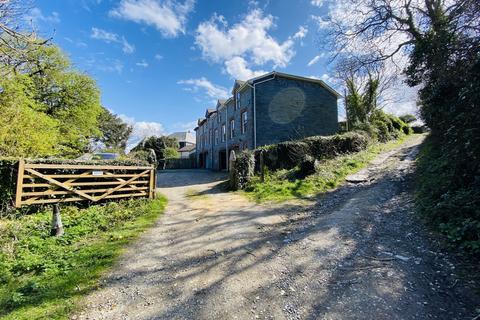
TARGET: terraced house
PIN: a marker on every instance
(264, 110)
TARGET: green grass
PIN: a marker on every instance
(43, 277)
(281, 185)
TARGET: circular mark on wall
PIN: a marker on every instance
(286, 105)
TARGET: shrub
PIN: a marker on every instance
(307, 167)
(452, 207)
(321, 147)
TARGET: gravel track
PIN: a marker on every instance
(358, 252)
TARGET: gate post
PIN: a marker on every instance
(57, 226)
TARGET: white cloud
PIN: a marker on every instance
(110, 37)
(35, 15)
(185, 126)
(315, 59)
(111, 66)
(321, 22)
(143, 64)
(301, 33)
(317, 3)
(158, 57)
(237, 68)
(141, 130)
(250, 37)
(245, 45)
(169, 17)
(211, 90)
(127, 47)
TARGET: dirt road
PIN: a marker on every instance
(356, 253)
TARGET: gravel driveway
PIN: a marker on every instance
(355, 253)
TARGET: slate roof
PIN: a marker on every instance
(186, 136)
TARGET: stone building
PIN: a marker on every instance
(265, 110)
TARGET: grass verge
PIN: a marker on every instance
(43, 277)
(282, 185)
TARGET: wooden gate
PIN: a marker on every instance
(39, 183)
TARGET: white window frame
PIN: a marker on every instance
(216, 136)
(244, 120)
(232, 128)
(237, 100)
(224, 132)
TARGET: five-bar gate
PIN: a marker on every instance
(41, 183)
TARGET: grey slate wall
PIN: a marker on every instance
(290, 109)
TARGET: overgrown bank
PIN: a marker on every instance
(304, 168)
(41, 277)
(450, 202)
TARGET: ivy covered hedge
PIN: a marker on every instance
(306, 153)
(290, 154)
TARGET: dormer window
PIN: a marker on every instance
(237, 101)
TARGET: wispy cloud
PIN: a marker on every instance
(168, 17)
(36, 15)
(301, 33)
(317, 3)
(143, 64)
(110, 37)
(210, 89)
(315, 59)
(158, 57)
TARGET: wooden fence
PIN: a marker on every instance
(39, 183)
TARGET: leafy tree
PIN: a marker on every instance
(438, 42)
(408, 118)
(160, 145)
(66, 95)
(114, 132)
(171, 153)
(25, 131)
(361, 101)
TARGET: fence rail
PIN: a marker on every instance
(39, 183)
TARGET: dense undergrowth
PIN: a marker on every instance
(452, 206)
(282, 185)
(41, 277)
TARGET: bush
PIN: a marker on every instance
(321, 147)
(452, 206)
(243, 170)
(307, 167)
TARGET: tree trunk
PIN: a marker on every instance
(57, 227)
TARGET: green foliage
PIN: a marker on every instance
(408, 118)
(114, 132)
(171, 153)
(159, 145)
(46, 107)
(141, 155)
(282, 185)
(24, 129)
(454, 209)
(445, 60)
(361, 105)
(43, 276)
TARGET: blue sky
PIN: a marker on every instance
(160, 63)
